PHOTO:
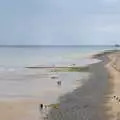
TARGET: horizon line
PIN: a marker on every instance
(2, 45)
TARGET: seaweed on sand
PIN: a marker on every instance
(72, 69)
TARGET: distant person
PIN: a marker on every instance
(73, 64)
(59, 83)
(41, 107)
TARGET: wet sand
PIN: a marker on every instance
(21, 94)
(86, 102)
(94, 100)
(73, 105)
(19, 110)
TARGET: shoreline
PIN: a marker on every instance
(85, 102)
(93, 56)
(80, 100)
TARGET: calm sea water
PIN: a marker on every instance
(17, 82)
(30, 56)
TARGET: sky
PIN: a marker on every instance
(59, 22)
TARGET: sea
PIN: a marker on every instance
(19, 82)
(25, 56)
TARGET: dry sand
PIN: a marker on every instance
(114, 71)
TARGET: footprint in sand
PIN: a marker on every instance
(116, 98)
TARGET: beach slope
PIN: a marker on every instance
(86, 102)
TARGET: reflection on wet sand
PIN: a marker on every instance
(31, 93)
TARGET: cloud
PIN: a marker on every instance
(59, 22)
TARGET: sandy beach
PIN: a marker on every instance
(86, 102)
(113, 68)
(97, 99)
(22, 92)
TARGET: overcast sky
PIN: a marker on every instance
(59, 22)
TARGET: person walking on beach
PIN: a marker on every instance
(41, 107)
(59, 83)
